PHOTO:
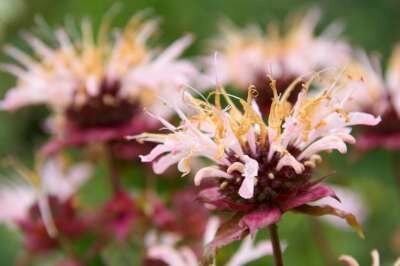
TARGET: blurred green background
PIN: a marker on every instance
(373, 25)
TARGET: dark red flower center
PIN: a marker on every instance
(272, 185)
(104, 109)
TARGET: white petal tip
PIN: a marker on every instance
(246, 194)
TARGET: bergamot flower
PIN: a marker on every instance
(259, 169)
(99, 86)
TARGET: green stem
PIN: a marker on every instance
(114, 172)
(276, 245)
(396, 169)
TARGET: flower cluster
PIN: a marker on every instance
(114, 95)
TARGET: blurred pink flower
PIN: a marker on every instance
(246, 56)
(259, 169)
(173, 217)
(378, 95)
(99, 86)
(44, 208)
(166, 249)
(66, 221)
(119, 215)
(55, 180)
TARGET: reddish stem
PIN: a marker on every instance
(276, 245)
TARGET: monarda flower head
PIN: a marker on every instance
(99, 87)
(259, 169)
(245, 56)
(379, 95)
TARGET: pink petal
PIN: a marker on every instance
(359, 118)
(326, 143)
(209, 172)
(157, 151)
(165, 162)
(167, 254)
(246, 189)
(289, 160)
(350, 261)
(250, 172)
(174, 50)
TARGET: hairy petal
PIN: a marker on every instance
(209, 172)
(289, 160)
(323, 144)
(165, 162)
(157, 151)
(359, 118)
(250, 172)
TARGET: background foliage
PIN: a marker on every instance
(373, 25)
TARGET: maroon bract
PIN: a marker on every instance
(119, 215)
(184, 209)
(188, 211)
(161, 216)
(68, 224)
